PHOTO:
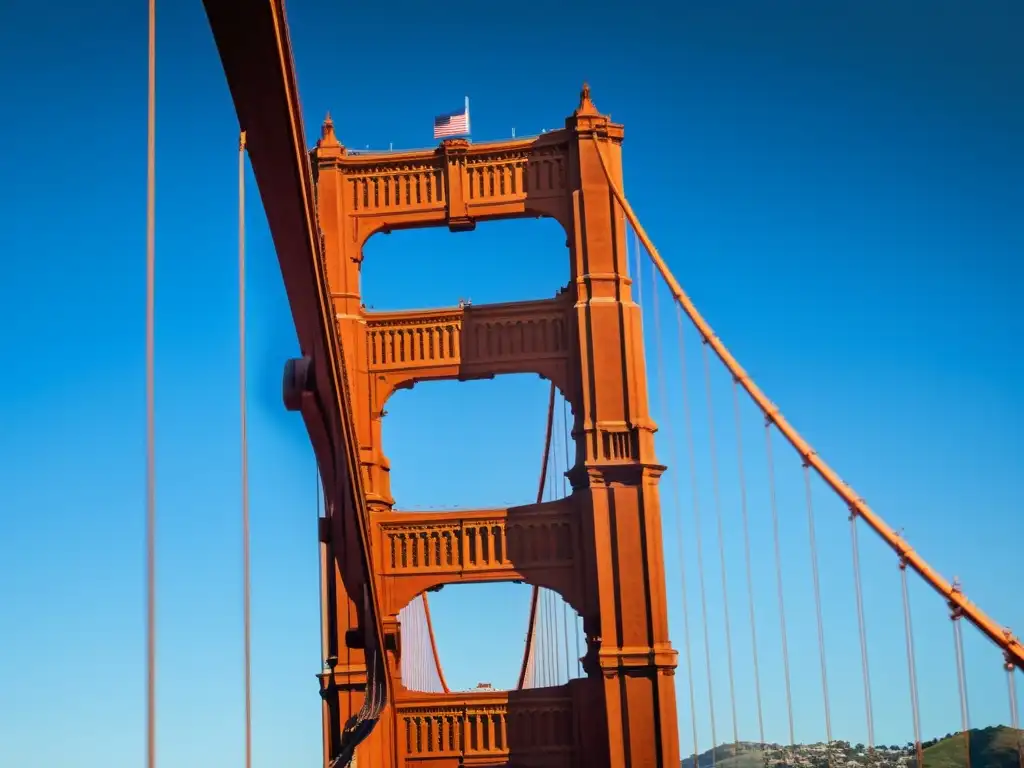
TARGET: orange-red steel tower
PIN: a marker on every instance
(600, 548)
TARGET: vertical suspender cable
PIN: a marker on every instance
(540, 631)
(424, 650)
(712, 445)
(548, 642)
(1011, 685)
(961, 679)
(428, 683)
(246, 565)
(435, 672)
(528, 669)
(545, 643)
(542, 659)
(435, 657)
(868, 709)
(409, 650)
(778, 577)
(556, 650)
(417, 672)
(424, 645)
(816, 583)
(915, 703)
(961, 606)
(556, 655)
(556, 670)
(674, 475)
(417, 659)
(565, 606)
(413, 650)
(150, 398)
(688, 421)
(746, 552)
(551, 618)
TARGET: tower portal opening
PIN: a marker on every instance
(499, 261)
(484, 639)
(474, 444)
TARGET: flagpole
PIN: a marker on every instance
(467, 116)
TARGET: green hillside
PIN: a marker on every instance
(744, 755)
(752, 759)
(995, 747)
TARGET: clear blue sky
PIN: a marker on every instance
(840, 191)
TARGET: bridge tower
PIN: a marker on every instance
(600, 548)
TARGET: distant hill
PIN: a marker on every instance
(746, 754)
(994, 747)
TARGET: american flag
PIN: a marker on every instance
(453, 123)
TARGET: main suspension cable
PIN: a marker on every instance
(433, 644)
(999, 635)
(150, 397)
(246, 554)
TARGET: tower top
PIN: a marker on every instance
(327, 135)
(586, 106)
